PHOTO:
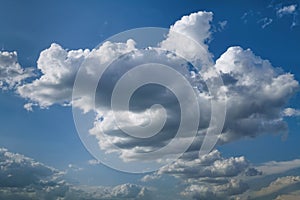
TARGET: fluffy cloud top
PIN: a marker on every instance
(195, 26)
(58, 67)
(11, 73)
(256, 94)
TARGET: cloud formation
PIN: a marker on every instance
(11, 73)
(24, 178)
(58, 67)
(278, 187)
(257, 94)
(210, 176)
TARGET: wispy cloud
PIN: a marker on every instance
(287, 10)
(265, 22)
(291, 112)
(274, 167)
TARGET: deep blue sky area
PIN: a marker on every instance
(49, 135)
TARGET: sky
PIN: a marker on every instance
(46, 46)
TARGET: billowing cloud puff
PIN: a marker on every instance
(210, 176)
(11, 73)
(58, 67)
(195, 26)
(256, 94)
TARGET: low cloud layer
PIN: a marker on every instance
(24, 178)
(210, 176)
(282, 188)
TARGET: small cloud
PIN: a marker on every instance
(265, 22)
(94, 162)
(246, 15)
(222, 25)
(291, 112)
(74, 168)
(286, 10)
(28, 106)
(290, 10)
(150, 177)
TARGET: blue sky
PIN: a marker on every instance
(49, 135)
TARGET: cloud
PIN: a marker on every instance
(256, 91)
(125, 192)
(210, 165)
(24, 178)
(278, 187)
(210, 176)
(291, 112)
(265, 22)
(58, 67)
(195, 26)
(20, 171)
(290, 196)
(11, 73)
(222, 25)
(287, 10)
(215, 191)
(94, 162)
(290, 10)
(256, 94)
(275, 167)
